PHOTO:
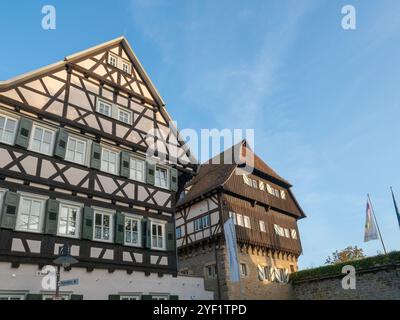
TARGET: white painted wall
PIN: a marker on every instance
(97, 285)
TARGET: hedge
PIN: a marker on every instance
(330, 270)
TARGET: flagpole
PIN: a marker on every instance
(377, 225)
(395, 206)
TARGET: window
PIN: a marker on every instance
(137, 169)
(178, 232)
(52, 297)
(76, 150)
(247, 223)
(161, 179)
(293, 234)
(130, 297)
(276, 193)
(159, 297)
(279, 230)
(12, 297)
(261, 185)
(262, 226)
(287, 233)
(104, 107)
(267, 273)
(8, 129)
(239, 219)
(113, 60)
(30, 214)
(157, 236)
(283, 194)
(255, 184)
(68, 221)
(211, 271)
(126, 67)
(247, 180)
(103, 226)
(42, 140)
(125, 116)
(109, 161)
(201, 223)
(243, 269)
(132, 231)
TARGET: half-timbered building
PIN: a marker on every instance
(265, 213)
(74, 168)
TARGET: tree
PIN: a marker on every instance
(345, 255)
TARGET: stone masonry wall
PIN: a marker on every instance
(378, 283)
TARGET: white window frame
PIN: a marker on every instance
(287, 232)
(85, 148)
(127, 63)
(262, 226)
(31, 197)
(8, 118)
(44, 128)
(240, 220)
(158, 167)
(128, 112)
(102, 168)
(279, 230)
(247, 222)
(110, 105)
(255, 184)
(293, 234)
(70, 205)
(133, 161)
(164, 238)
(138, 219)
(113, 56)
(103, 212)
(283, 194)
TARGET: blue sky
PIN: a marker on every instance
(324, 102)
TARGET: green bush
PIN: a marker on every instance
(384, 259)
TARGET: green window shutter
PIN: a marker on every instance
(61, 144)
(120, 228)
(146, 240)
(87, 223)
(76, 297)
(150, 177)
(9, 210)
(31, 296)
(52, 210)
(114, 297)
(24, 132)
(173, 297)
(170, 233)
(125, 164)
(95, 157)
(174, 180)
(146, 297)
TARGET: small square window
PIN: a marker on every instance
(104, 107)
(124, 116)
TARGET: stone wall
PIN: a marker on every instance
(375, 283)
(250, 286)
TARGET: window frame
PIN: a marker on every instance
(213, 268)
(138, 219)
(78, 222)
(247, 222)
(178, 235)
(31, 197)
(85, 150)
(113, 56)
(135, 158)
(128, 112)
(7, 118)
(103, 149)
(262, 226)
(104, 212)
(164, 237)
(240, 219)
(44, 128)
(293, 234)
(110, 104)
(160, 167)
(127, 63)
(246, 270)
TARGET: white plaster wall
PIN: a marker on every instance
(99, 284)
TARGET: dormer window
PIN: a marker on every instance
(119, 63)
(126, 67)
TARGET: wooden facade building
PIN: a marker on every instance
(265, 213)
(74, 168)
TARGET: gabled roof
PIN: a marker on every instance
(212, 176)
(88, 52)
